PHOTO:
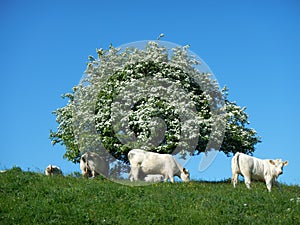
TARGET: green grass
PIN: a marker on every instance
(33, 198)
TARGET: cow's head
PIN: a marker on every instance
(86, 172)
(278, 166)
(185, 175)
(49, 169)
(84, 166)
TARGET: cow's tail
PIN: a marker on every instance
(235, 168)
(235, 165)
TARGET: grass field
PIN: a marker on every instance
(33, 198)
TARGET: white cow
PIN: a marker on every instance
(154, 178)
(143, 163)
(53, 170)
(92, 164)
(251, 168)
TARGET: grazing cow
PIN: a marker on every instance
(251, 168)
(53, 170)
(154, 178)
(143, 163)
(92, 164)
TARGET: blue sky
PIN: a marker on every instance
(252, 47)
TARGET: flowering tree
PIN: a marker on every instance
(155, 99)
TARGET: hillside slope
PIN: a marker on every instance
(33, 198)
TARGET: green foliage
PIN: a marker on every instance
(195, 114)
(65, 131)
(32, 198)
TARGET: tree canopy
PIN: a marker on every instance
(154, 98)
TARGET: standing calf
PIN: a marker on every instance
(252, 168)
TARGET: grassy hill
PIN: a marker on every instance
(33, 198)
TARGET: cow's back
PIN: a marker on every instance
(245, 163)
(151, 162)
(157, 163)
(251, 166)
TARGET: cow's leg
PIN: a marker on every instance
(270, 182)
(278, 185)
(269, 185)
(134, 173)
(247, 178)
(130, 176)
(85, 173)
(235, 179)
(248, 182)
(172, 179)
(166, 177)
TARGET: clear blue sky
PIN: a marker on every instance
(251, 46)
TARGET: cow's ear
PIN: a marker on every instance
(185, 170)
(285, 163)
(272, 162)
